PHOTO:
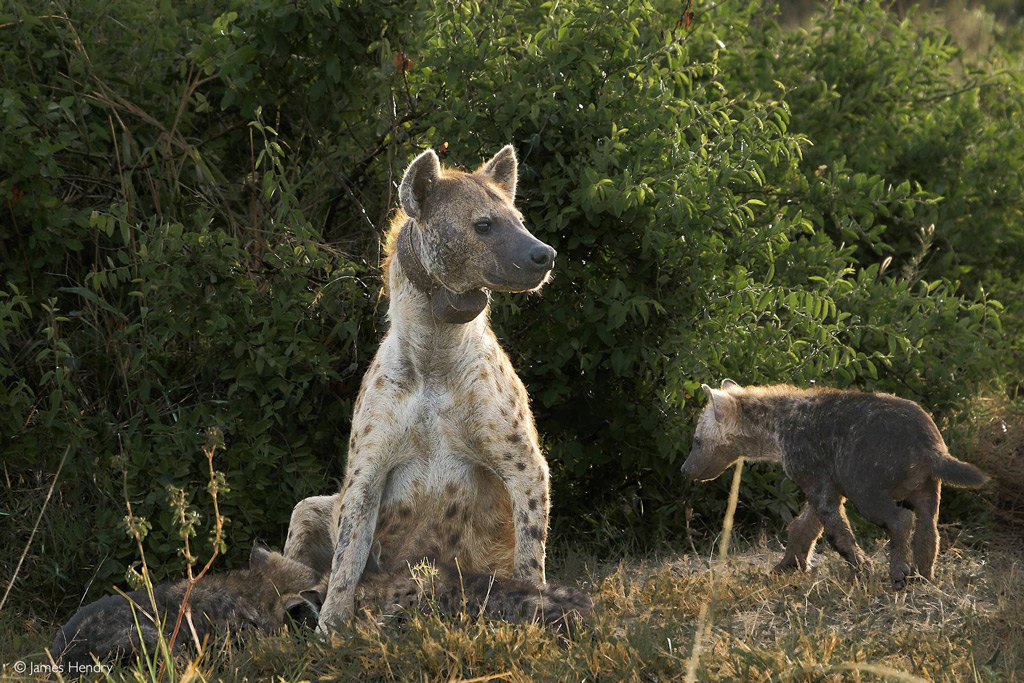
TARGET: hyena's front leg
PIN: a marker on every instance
(803, 535)
(828, 506)
(356, 517)
(525, 473)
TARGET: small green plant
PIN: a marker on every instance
(162, 663)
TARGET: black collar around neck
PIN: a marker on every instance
(445, 305)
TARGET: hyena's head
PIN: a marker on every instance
(721, 437)
(470, 234)
(300, 589)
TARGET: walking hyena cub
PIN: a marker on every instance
(443, 461)
(118, 626)
(873, 449)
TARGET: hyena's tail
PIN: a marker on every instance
(447, 591)
(958, 473)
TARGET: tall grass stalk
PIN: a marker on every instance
(706, 615)
(35, 528)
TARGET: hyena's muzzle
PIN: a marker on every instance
(518, 261)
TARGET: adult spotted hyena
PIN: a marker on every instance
(119, 626)
(443, 460)
(873, 449)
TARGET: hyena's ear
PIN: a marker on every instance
(313, 597)
(503, 169)
(373, 562)
(304, 608)
(724, 405)
(728, 385)
(418, 182)
(259, 556)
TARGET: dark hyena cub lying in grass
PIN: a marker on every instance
(446, 590)
(119, 626)
(873, 449)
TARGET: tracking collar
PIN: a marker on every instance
(445, 305)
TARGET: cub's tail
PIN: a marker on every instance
(958, 473)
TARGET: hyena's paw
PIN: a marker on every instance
(857, 560)
(791, 563)
(928, 575)
(565, 609)
(334, 615)
(900, 575)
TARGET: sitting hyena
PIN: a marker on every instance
(118, 626)
(873, 449)
(443, 460)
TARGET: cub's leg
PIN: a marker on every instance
(879, 508)
(926, 533)
(803, 535)
(829, 508)
(309, 533)
(449, 591)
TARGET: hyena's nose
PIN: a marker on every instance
(542, 256)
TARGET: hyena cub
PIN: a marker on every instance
(448, 590)
(873, 449)
(118, 626)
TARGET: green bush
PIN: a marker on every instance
(902, 105)
(194, 206)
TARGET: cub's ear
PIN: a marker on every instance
(259, 556)
(373, 562)
(313, 596)
(728, 384)
(418, 182)
(503, 169)
(304, 608)
(724, 405)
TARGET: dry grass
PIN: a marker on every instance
(818, 626)
(824, 625)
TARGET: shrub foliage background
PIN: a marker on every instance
(192, 206)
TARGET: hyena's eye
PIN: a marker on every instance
(482, 226)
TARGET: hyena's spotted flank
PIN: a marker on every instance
(121, 626)
(444, 464)
(873, 449)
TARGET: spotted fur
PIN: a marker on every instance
(444, 463)
(448, 590)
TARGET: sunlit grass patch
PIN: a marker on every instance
(822, 625)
